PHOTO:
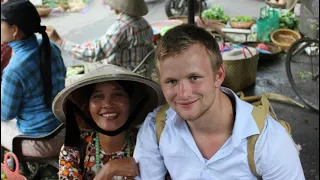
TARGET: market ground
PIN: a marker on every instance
(271, 76)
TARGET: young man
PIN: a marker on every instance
(207, 126)
(124, 44)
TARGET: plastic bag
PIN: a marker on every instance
(267, 23)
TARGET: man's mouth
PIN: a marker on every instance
(186, 104)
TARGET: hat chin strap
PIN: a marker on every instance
(124, 127)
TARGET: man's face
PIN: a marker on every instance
(188, 82)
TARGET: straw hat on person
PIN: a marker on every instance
(141, 89)
(130, 7)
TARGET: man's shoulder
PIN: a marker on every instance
(272, 136)
(150, 120)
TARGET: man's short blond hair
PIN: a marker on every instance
(180, 38)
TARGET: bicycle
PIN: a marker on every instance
(302, 63)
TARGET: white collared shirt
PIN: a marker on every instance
(275, 154)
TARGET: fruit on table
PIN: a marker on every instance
(262, 46)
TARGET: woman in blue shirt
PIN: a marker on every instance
(34, 75)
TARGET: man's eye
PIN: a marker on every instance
(171, 82)
(194, 78)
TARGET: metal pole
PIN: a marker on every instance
(191, 11)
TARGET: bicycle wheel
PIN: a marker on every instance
(303, 70)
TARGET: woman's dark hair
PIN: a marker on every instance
(28, 29)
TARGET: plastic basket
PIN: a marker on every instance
(11, 175)
(309, 21)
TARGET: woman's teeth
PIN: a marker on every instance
(110, 115)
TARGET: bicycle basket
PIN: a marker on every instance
(309, 18)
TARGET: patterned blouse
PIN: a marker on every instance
(69, 158)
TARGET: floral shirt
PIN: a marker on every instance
(69, 158)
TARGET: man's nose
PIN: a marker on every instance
(184, 89)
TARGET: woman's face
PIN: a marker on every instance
(7, 32)
(109, 106)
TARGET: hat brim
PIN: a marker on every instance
(144, 86)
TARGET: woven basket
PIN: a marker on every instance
(241, 25)
(241, 68)
(43, 10)
(11, 175)
(284, 38)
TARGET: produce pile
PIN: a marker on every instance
(66, 5)
(216, 12)
(288, 20)
(242, 19)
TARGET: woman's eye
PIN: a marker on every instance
(98, 96)
(119, 94)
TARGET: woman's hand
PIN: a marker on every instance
(53, 35)
(118, 167)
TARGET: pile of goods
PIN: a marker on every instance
(74, 70)
(242, 22)
(288, 20)
(216, 12)
(66, 5)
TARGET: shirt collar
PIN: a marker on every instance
(122, 15)
(244, 125)
(25, 44)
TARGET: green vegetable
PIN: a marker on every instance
(216, 12)
(242, 19)
(288, 20)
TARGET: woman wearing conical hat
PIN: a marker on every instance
(125, 43)
(101, 112)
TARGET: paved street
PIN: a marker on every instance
(271, 76)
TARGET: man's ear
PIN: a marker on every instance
(219, 76)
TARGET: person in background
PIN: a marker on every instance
(124, 44)
(34, 75)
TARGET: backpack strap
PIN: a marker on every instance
(259, 114)
(161, 120)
